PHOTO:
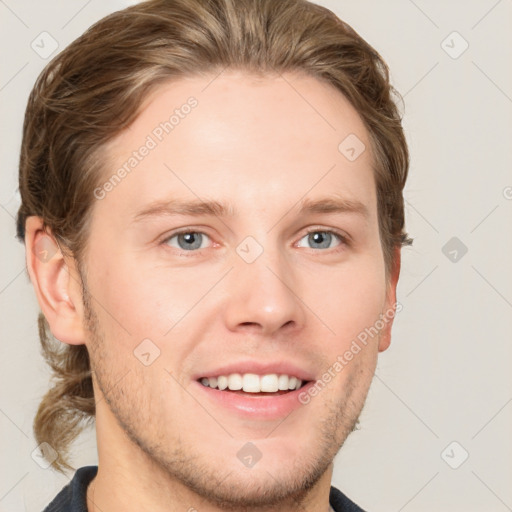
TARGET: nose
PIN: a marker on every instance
(264, 296)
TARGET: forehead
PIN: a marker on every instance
(237, 138)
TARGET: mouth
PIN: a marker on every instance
(252, 384)
(255, 390)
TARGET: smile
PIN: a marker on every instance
(253, 383)
(270, 396)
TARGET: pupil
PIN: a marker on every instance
(322, 238)
(190, 240)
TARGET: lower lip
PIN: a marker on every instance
(264, 407)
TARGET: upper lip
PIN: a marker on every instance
(259, 368)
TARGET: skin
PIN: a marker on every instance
(257, 145)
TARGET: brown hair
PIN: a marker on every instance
(94, 89)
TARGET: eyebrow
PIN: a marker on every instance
(197, 207)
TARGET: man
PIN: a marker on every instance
(213, 216)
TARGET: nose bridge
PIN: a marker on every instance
(261, 288)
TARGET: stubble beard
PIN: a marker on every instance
(184, 464)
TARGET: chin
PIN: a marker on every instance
(261, 486)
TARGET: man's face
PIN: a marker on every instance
(262, 288)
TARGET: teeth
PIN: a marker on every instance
(269, 383)
(235, 382)
(222, 382)
(253, 383)
(282, 382)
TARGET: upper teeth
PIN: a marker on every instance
(252, 383)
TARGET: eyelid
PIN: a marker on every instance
(183, 231)
(345, 239)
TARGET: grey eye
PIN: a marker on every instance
(320, 239)
(189, 241)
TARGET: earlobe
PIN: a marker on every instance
(55, 282)
(390, 309)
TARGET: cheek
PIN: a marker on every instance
(143, 301)
(351, 299)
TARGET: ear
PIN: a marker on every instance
(56, 283)
(390, 305)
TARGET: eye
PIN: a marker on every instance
(187, 240)
(191, 241)
(322, 239)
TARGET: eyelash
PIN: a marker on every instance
(344, 241)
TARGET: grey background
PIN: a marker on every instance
(446, 377)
